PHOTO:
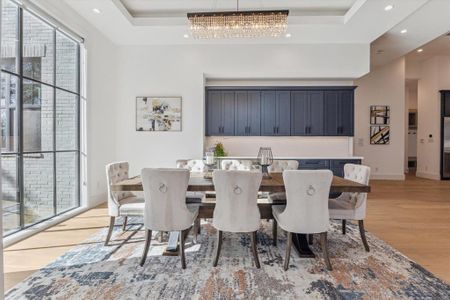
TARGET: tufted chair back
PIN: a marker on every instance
(116, 172)
(307, 201)
(236, 200)
(236, 165)
(282, 165)
(360, 174)
(193, 165)
(165, 199)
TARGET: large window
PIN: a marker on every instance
(39, 110)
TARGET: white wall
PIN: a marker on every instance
(181, 71)
(101, 94)
(434, 76)
(383, 86)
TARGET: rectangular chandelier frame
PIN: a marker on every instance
(238, 24)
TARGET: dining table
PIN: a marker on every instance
(198, 182)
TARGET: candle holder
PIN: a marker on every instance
(210, 163)
(265, 159)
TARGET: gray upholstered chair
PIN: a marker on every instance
(236, 165)
(122, 204)
(236, 206)
(306, 210)
(352, 206)
(280, 166)
(165, 206)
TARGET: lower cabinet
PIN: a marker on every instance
(335, 165)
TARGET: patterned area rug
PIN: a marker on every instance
(93, 271)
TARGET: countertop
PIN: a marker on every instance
(294, 157)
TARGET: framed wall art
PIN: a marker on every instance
(380, 135)
(158, 113)
(380, 115)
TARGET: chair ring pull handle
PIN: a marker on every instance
(237, 190)
(311, 191)
(162, 188)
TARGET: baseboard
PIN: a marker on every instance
(98, 199)
(26, 233)
(387, 176)
(427, 175)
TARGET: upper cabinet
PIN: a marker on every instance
(275, 113)
(220, 108)
(248, 113)
(307, 113)
(445, 103)
(298, 111)
(338, 113)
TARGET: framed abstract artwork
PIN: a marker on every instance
(380, 115)
(379, 135)
(158, 113)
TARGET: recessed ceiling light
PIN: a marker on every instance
(186, 36)
(96, 10)
(404, 31)
(420, 50)
(389, 7)
(288, 35)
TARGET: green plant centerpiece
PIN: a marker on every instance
(219, 150)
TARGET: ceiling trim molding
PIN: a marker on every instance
(353, 10)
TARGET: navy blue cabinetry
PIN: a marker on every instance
(220, 108)
(338, 113)
(248, 113)
(279, 111)
(275, 113)
(307, 113)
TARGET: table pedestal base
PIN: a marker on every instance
(300, 242)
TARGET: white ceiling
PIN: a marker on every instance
(432, 20)
(149, 22)
(140, 8)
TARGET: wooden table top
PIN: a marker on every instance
(197, 183)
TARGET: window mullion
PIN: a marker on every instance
(54, 123)
(19, 105)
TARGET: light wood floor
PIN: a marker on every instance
(413, 216)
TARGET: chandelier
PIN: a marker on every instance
(238, 24)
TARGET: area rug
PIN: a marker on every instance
(94, 271)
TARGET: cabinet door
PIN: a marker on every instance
(268, 112)
(299, 113)
(331, 112)
(241, 119)
(254, 113)
(283, 113)
(228, 112)
(214, 113)
(315, 113)
(345, 127)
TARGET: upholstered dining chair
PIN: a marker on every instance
(280, 166)
(236, 165)
(165, 206)
(306, 209)
(236, 206)
(352, 206)
(123, 204)
(194, 166)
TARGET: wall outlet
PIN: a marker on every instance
(422, 141)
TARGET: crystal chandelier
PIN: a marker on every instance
(238, 24)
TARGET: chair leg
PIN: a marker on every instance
(218, 246)
(112, 220)
(148, 239)
(183, 234)
(363, 235)
(196, 230)
(125, 220)
(344, 226)
(310, 239)
(275, 232)
(324, 245)
(255, 249)
(288, 251)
